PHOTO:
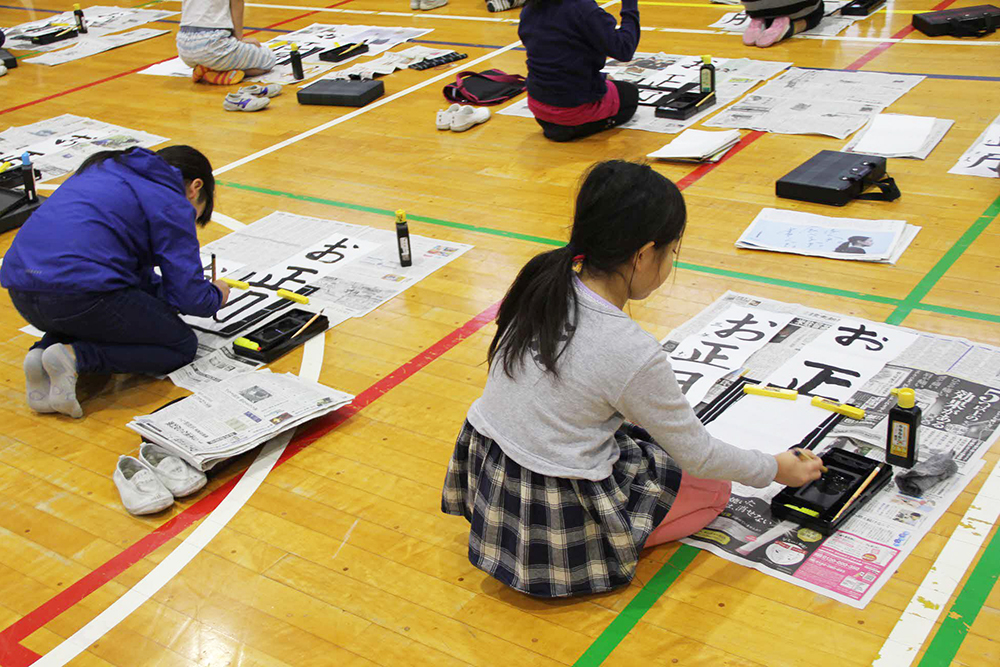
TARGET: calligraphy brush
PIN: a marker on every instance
(857, 493)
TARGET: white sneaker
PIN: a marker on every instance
(175, 474)
(468, 116)
(444, 116)
(269, 90)
(141, 491)
(237, 102)
(414, 4)
(432, 4)
(3, 70)
(503, 5)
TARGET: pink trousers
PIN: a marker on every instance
(698, 502)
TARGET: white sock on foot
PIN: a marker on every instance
(36, 382)
(61, 367)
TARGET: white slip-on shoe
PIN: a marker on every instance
(141, 491)
(432, 4)
(175, 474)
(414, 4)
(444, 116)
(257, 90)
(467, 117)
(3, 70)
(237, 102)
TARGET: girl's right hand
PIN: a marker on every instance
(224, 288)
(793, 471)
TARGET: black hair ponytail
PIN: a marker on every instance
(190, 161)
(621, 206)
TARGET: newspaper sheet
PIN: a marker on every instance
(305, 255)
(862, 142)
(800, 233)
(830, 103)
(59, 145)
(734, 77)
(236, 415)
(96, 45)
(311, 40)
(101, 21)
(958, 384)
(983, 157)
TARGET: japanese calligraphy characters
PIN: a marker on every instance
(842, 359)
(700, 360)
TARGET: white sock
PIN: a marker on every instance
(62, 378)
(36, 382)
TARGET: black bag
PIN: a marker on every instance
(484, 88)
(975, 21)
(835, 178)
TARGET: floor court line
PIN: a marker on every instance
(12, 653)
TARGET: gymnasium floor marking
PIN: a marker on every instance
(13, 654)
(768, 280)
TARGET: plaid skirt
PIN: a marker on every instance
(555, 537)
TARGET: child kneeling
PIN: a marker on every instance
(211, 42)
(561, 487)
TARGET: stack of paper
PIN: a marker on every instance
(895, 135)
(698, 146)
(236, 415)
(821, 236)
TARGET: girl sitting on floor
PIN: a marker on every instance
(81, 270)
(561, 486)
(774, 20)
(568, 42)
(211, 42)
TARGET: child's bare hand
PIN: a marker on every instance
(794, 471)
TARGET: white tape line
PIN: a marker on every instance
(931, 598)
(169, 567)
(688, 31)
(363, 110)
(226, 221)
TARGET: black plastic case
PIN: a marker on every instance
(7, 60)
(831, 177)
(961, 22)
(275, 337)
(846, 473)
(341, 93)
(57, 35)
(19, 215)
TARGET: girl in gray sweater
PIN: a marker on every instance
(560, 484)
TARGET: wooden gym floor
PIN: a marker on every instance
(342, 556)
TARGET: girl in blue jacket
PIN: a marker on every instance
(81, 270)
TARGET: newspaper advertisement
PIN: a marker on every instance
(236, 415)
(828, 26)
(825, 102)
(957, 383)
(983, 157)
(59, 145)
(90, 47)
(734, 77)
(101, 21)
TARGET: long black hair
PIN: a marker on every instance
(621, 206)
(190, 161)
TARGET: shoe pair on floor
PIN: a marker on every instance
(251, 98)
(759, 33)
(427, 4)
(150, 483)
(461, 117)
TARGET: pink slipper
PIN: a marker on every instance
(752, 33)
(779, 29)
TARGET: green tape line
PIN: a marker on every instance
(557, 243)
(958, 312)
(637, 608)
(949, 637)
(927, 283)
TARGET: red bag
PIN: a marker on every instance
(484, 88)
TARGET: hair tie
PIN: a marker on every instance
(579, 258)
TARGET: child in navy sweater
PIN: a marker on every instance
(568, 42)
